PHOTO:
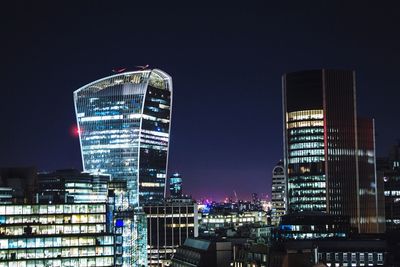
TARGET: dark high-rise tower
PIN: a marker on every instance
(324, 148)
(389, 172)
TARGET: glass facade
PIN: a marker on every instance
(55, 235)
(131, 238)
(306, 177)
(124, 123)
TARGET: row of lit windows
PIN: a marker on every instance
(69, 262)
(42, 242)
(308, 206)
(51, 209)
(307, 185)
(306, 160)
(307, 152)
(155, 137)
(53, 229)
(53, 219)
(56, 253)
(306, 145)
(300, 124)
(302, 236)
(305, 115)
(305, 178)
(340, 152)
(306, 131)
(317, 193)
(307, 199)
(302, 138)
(392, 193)
(152, 142)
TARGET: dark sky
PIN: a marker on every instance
(226, 61)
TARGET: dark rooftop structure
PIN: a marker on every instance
(203, 253)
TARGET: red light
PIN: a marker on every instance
(75, 131)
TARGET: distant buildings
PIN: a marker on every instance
(329, 151)
(278, 200)
(210, 224)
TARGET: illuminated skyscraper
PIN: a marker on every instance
(329, 155)
(124, 124)
(278, 200)
(175, 185)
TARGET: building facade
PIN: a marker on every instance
(278, 200)
(55, 235)
(124, 124)
(169, 224)
(323, 154)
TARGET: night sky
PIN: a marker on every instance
(226, 61)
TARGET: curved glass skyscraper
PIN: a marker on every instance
(124, 124)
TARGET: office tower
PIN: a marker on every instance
(389, 172)
(123, 124)
(322, 152)
(278, 200)
(175, 185)
(71, 186)
(169, 224)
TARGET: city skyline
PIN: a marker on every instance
(227, 79)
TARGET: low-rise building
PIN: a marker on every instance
(169, 224)
(203, 253)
